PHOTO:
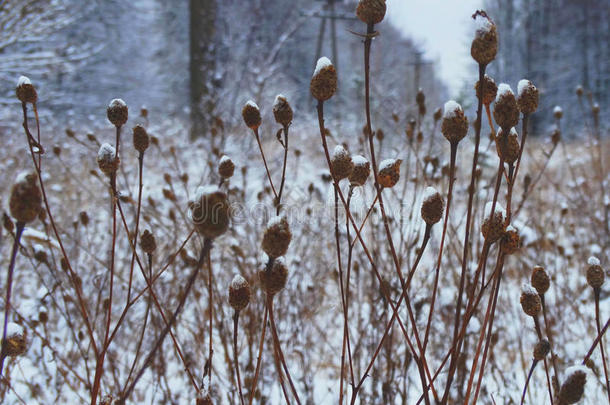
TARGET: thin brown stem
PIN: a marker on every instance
(601, 346)
(259, 357)
(236, 357)
(260, 147)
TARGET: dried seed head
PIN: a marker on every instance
(361, 172)
(148, 242)
(141, 140)
(239, 293)
(371, 11)
(530, 300)
(274, 280)
(595, 273)
(507, 146)
(573, 387)
(527, 97)
(542, 348)
(210, 211)
(455, 124)
(16, 342)
(540, 280)
(276, 238)
(226, 167)
(506, 111)
(107, 159)
(204, 400)
(324, 81)
(251, 115)
(341, 163)
(511, 241)
(484, 46)
(117, 112)
(493, 225)
(432, 206)
(282, 110)
(25, 202)
(26, 93)
(389, 172)
(579, 91)
(595, 109)
(557, 112)
(490, 89)
(7, 223)
(438, 113)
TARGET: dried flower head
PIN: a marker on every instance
(25, 202)
(530, 300)
(16, 342)
(506, 111)
(557, 112)
(573, 387)
(148, 242)
(527, 97)
(341, 163)
(107, 160)
(210, 211)
(226, 167)
(274, 280)
(455, 124)
(371, 11)
(141, 140)
(276, 238)
(204, 400)
(507, 146)
(117, 112)
(282, 110)
(484, 46)
(324, 81)
(389, 172)
(542, 348)
(490, 89)
(511, 241)
(26, 93)
(251, 115)
(361, 172)
(540, 280)
(595, 273)
(579, 91)
(432, 206)
(239, 293)
(493, 224)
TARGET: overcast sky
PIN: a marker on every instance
(442, 28)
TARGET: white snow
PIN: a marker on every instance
(117, 102)
(481, 25)
(13, 329)
(557, 110)
(575, 369)
(451, 108)
(593, 261)
(340, 152)
(528, 289)
(498, 209)
(273, 221)
(386, 164)
(429, 192)
(106, 152)
(523, 84)
(279, 100)
(23, 80)
(503, 89)
(22, 177)
(359, 160)
(224, 159)
(36, 236)
(205, 190)
(252, 104)
(238, 282)
(322, 63)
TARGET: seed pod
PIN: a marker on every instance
(595, 273)
(507, 146)
(557, 112)
(361, 172)
(530, 300)
(490, 89)
(141, 140)
(107, 159)
(540, 280)
(371, 11)
(7, 223)
(25, 202)
(542, 348)
(527, 97)
(239, 293)
(493, 225)
(579, 91)
(282, 110)
(16, 342)
(226, 167)
(341, 163)
(117, 112)
(148, 242)
(432, 206)
(506, 111)
(511, 241)
(276, 238)
(324, 81)
(455, 124)
(573, 387)
(389, 172)
(210, 211)
(438, 113)
(251, 115)
(484, 46)
(204, 400)
(26, 93)
(274, 280)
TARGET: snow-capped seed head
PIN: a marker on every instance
(204, 400)
(389, 172)
(530, 300)
(274, 280)
(324, 81)
(16, 342)
(107, 159)
(282, 110)
(507, 146)
(226, 167)
(484, 45)
(276, 238)
(25, 203)
(361, 172)
(210, 211)
(239, 293)
(438, 113)
(511, 241)
(490, 89)
(371, 11)
(493, 224)
(595, 273)
(573, 386)
(341, 163)
(148, 242)
(579, 91)
(26, 93)
(540, 280)
(117, 112)
(141, 140)
(542, 348)
(506, 111)
(432, 206)
(595, 108)
(455, 124)
(557, 112)
(251, 115)
(527, 96)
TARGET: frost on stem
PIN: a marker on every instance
(324, 80)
